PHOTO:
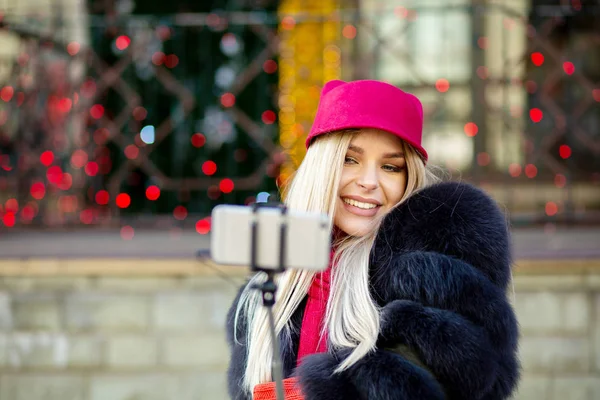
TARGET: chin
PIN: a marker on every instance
(355, 226)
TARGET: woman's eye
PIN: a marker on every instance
(349, 160)
(392, 168)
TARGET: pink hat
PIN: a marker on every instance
(369, 104)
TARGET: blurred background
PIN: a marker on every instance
(124, 122)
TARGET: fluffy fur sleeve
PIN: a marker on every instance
(459, 323)
(469, 351)
(440, 269)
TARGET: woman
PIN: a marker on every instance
(414, 303)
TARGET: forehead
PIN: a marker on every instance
(375, 138)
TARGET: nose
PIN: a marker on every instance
(367, 178)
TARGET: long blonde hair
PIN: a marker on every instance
(352, 317)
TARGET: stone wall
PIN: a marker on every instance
(559, 315)
(113, 338)
(160, 336)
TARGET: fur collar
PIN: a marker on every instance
(455, 219)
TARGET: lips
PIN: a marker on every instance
(355, 202)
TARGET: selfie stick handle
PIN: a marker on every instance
(269, 288)
(268, 301)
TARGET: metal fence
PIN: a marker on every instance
(159, 118)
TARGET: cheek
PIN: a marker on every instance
(394, 190)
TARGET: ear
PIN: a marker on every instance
(329, 86)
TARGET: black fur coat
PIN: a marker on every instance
(440, 268)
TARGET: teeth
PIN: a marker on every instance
(365, 206)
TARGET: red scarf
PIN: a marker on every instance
(314, 316)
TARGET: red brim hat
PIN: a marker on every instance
(369, 104)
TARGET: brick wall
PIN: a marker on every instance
(559, 315)
(160, 337)
(110, 338)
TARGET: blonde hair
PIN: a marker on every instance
(352, 316)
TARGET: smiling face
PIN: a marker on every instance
(373, 181)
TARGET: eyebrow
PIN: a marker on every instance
(359, 150)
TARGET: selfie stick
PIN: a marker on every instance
(269, 287)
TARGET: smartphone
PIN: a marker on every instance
(307, 242)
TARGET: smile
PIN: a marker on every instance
(359, 204)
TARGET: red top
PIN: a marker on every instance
(314, 316)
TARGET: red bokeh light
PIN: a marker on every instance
(127, 232)
(569, 67)
(102, 197)
(483, 159)
(5, 162)
(228, 100)
(54, 174)
(270, 66)
(101, 136)
(38, 190)
(482, 42)
(482, 72)
(122, 42)
(91, 168)
(171, 61)
(123, 200)
(158, 58)
(46, 158)
(442, 85)
(209, 167)
(152, 192)
(9, 219)
(203, 226)
(401, 12)
(7, 93)
(531, 86)
(531, 171)
(514, 170)
(163, 32)
(139, 113)
(97, 111)
(180, 213)
(11, 205)
(67, 204)
(64, 105)
(79, 158)
(268, 117)
(536, 115)
(288, 23)
(73, 48)
(132, 151)
(226, 185)
(66, 181)
(537, 58)
(349, 31)
(213, 192)
(27, 213)
(88, 88)
(551, 208)
(471, 129)
(560, 180)
(86, 216)
(564, 151)
(596, 94)
(198, 140)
